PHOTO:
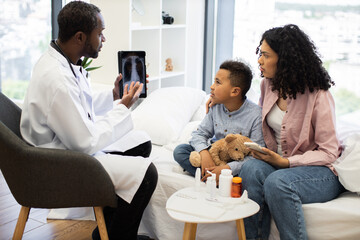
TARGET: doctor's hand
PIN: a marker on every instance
(271, 158)
(132, 94)
(116, 89)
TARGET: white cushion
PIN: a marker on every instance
(185, 135)
(348, 164)
(166, 111)
(201, 111)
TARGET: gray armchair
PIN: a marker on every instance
(49, 178)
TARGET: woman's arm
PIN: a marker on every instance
(324, 137)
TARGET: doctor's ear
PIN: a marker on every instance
(80, 37)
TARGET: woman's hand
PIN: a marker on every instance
(271, 157)
(209, 104)
(132, 94)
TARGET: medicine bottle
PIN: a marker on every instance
(236, 187)
(225, 181)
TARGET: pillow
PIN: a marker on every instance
(185, 135)
(201, 111)
(166, 111)
(348, 164)
(347, 125)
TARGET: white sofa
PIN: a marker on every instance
(169, 115)
(172, 114)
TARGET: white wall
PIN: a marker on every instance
(117, 14)
(195, 43)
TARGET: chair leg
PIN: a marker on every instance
(101, 223)
(20, 225)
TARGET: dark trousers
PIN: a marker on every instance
(123, 222)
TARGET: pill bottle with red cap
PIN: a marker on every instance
(236, 187)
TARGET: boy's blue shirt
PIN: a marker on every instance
(219, 122)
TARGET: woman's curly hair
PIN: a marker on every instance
(77, 16)
(299, 66)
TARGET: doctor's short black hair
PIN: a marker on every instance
(240, 75)
(76, 16)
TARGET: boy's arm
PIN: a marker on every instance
(206, 161)
(200, 141)
(205, 131)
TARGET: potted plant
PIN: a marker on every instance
(86, 63)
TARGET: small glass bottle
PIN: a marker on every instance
(236, 187)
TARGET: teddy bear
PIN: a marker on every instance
(169, 67)
(230, 148)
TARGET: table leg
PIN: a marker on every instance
(189, 231)
(240, 229)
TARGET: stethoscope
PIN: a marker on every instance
(57, 48)
(54, 45)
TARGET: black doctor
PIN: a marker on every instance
(61, 111)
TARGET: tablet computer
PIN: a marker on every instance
(133, 69)
(254, 146)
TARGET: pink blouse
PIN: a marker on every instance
(308, 130)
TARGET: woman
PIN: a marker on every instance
(298, 115)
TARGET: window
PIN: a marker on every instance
(334, 26)
(25, 33)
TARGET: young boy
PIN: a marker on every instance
(232, 113)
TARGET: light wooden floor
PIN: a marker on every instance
(37, 226)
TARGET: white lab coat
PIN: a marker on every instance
(60, 111)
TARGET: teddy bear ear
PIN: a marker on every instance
(230, 138)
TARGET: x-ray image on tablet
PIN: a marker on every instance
(132, 67)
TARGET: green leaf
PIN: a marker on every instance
(92, 68)
(86, 63)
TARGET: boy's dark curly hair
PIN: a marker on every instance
(76, 16)
(299, 66)
(240, 75)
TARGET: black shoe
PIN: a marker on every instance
(95, 234)
(143, 237)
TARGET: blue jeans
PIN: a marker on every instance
(182, 154)
(281, 193)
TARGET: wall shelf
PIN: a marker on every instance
(127, 30)
(161, 41)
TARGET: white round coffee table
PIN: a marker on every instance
(193, 207)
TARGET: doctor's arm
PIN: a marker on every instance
(69, 121)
